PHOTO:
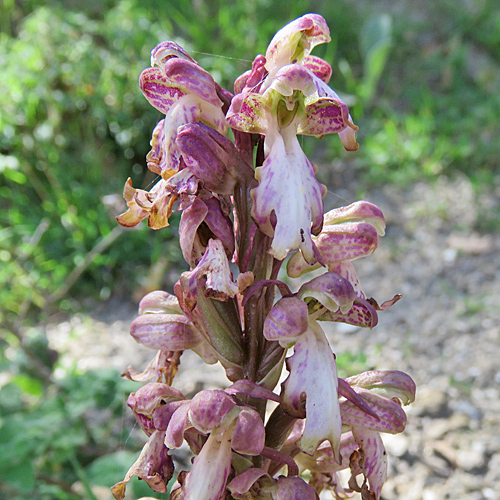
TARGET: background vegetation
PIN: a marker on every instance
(422, 81)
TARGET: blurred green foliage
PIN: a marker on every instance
(60, 442)
(421, 81)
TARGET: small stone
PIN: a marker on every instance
(396, 444)
(431, 401)
(473, 458)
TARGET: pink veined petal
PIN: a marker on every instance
(212, 157)
(177, 425)
(288, 186)
(347, 271)
(251, 79)
(249, 434)
(295, 41)
(193, 79)
(159, 302)
(249, 113)
(391, 417)
(220, 225)
(286, 321)
(211, 409)
(158, 90)
(168, 332)
(362, 314)
(319, 67)
(294, 488)
(208, 477)
(375, 458)
(348, 134)
(389, 383)
(166, 50)
(330, 290)
(188, 109)
(359, 211)
(313, 373)
(291, 78)
(325, 116)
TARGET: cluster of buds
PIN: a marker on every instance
(249, 205)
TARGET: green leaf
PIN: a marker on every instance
(28, 385)
(19, 476)
(375, 42)
(109, 469)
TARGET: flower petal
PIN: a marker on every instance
(337, 243)
(208, 476)
(168, 332)
(295, 41)
(165, 50)
(159, 302)
(324, 116)
(154, 466)
(242, 483)
(210, 156)
(330, 290)
(359, 211)
(211, 409)
(319, 67)
(313, 377)
(388, 383)
(361, 314)
(288, 186)
(249, 113)
(158, 90)
(249, 434)
(286, 321)
(191, 78)
(391, 417)
(374, 463)
(215, 266)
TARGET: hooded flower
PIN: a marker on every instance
(311, 389)
(162, 325)
(288, 198)
(185, 93)
(178, 87)
(288, 203)
(229, 427)
(348, 233)
(361, 447)
(154, 465)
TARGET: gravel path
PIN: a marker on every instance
(444, 332)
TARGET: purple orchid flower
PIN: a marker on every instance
(229, 427)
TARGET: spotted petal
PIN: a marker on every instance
(313, 377)
(288, 187)
(295, 41)
(374, 463)
(168, 332)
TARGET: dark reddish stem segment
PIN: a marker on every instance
(278, 456)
